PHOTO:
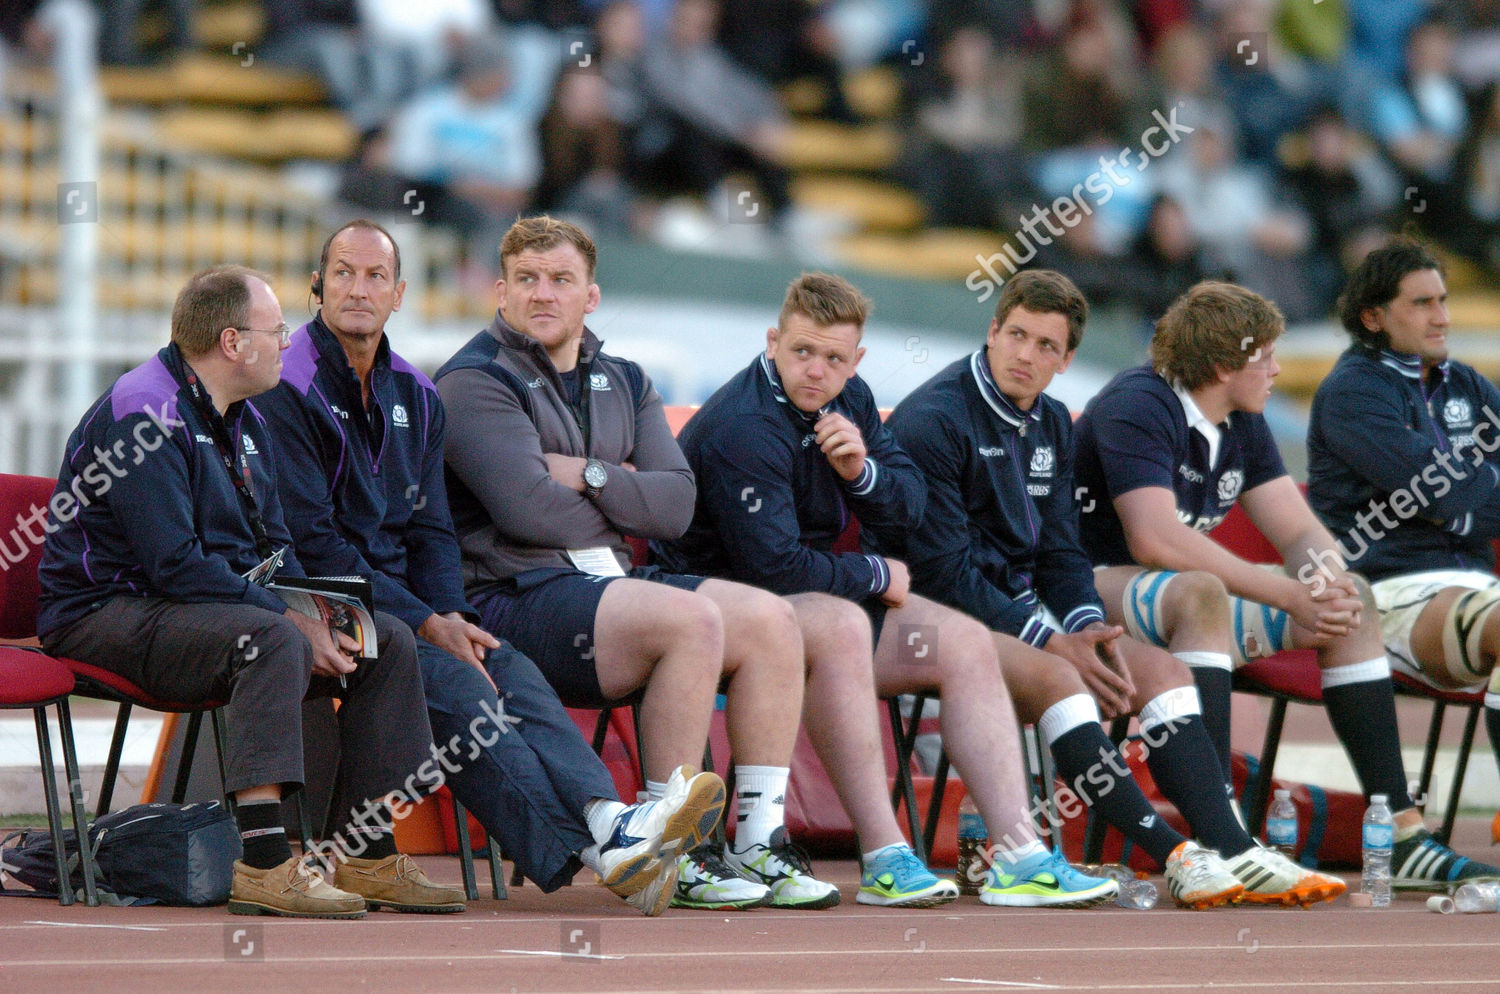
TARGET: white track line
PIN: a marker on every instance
(128, 928)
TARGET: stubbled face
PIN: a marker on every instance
(814, 361)
(1026, 350)
(546, 295)
(1417, 319)
(1250, 387)
(360, 289)
(260, 347)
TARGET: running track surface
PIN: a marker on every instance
(583, 939)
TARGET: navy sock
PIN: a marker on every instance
(369, 835)
(1178, 752)
(1363, 715)
(1214, 688)
(1089, 763)
(262, 834)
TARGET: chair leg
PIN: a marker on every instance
(1260, 790)
(221, 747)
(1429, 751)
(185, 761)
(465, 850)
(54, 808)
(905, 790)
(1461, 767)
(601, 729)
(935, 802)
(75, 799)
(1048, 786)
(112, 764)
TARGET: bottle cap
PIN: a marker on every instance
(1379, 799)
(1283, 795)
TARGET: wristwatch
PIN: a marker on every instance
(595, 476)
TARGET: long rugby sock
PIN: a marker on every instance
(1089, 763)
(262, 834)
(1362, 709)
(1213, 675)
(1178, 748)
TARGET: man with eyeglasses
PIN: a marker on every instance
(360, 465)
(166, 497)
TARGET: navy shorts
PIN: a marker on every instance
(549, 615)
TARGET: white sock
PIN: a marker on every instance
(1208, 660)
(1013, 856)
(600, 814)
(760, 793)
(875, 854)
(655, 790)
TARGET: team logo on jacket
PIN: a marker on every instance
(1457, 413)
(249, 444)
(398, 416)
(1042, 461)
(1229, 486)
(599, 381)
(991, 451)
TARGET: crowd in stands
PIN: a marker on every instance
(1307, 131)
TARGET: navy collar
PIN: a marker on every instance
(1410, 366)
(779, 392)
(999, 403)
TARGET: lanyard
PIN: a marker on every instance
(219, 431)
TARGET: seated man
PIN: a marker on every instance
(141, 575)
(999, 541)
(1399, 427)
(557, 452)
(1166, 450)
(784, 454)
(359, 457)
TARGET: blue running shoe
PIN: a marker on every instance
(897, 879)
(1044, 880)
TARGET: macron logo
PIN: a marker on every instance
(991, 451)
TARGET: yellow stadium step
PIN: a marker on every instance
(875, 205)
(938, 253)
(828, 147)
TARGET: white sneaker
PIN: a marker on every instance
(784, 868)
(652, 899)
(706, 882)
(1271, 878)
(1199, 878)
(654, 831)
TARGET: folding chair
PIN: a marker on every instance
(33, 680)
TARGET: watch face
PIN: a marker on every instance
(595, 475)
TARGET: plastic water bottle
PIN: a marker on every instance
(1378, 837)
(1475, 897)
(1138, 895)
(1281, 825)
(973, 841)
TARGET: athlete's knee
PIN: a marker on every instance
(1197, 598)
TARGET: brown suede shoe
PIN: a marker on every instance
(291, 890)
(398, 883)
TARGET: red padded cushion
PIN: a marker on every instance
(113, 687)
(31, 678)
(1410, 685)
(1293, 673)
(20, 496)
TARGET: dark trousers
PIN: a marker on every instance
(261, 663)
(516, 761)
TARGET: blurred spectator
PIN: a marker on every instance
(474, 142)
(120, 32)
(583, 156)
(1378, 30)
(1420, 118)
(1085, 91)
(1476, 54)
(1477, 176)
(20, 30)
(364, 79)
(1348, 194)
(1168, 258)
(706, 116)
(963, 156)
(1011, 24)
(1183, 77)
(1231, 208)
(1264, 84)
(782, 40)
(551, 14)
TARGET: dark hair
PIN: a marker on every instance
(212, 300)
(543, 233)
(359, 222)
(1212, 326)
(1377, 281)
(1045, 291)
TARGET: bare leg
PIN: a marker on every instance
(671, 642)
